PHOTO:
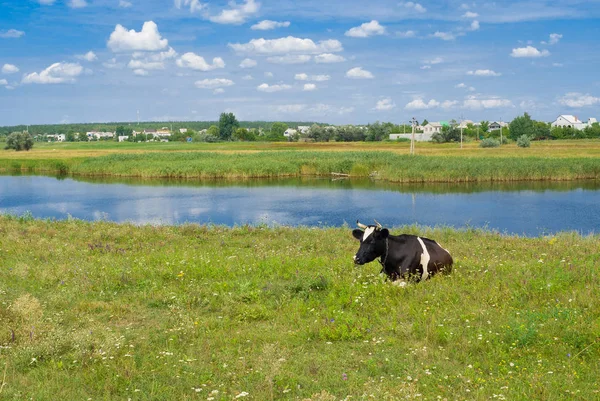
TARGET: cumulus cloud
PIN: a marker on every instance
(419, 104)
(309, 87)
(474, 25)
(237, 14)
(213, 83)
(11, 34)
(148, 39)
(385, 104)
(287, 45)
(578, 100)
(77, 3)
(406, 34)
(554, 39)
(124, 4)
(484, 73)
(272, 88)
(267, 25)
(289, 59)
(413, 6)
(365, 30)
(470, 14)
(196, 62)
(529, 51)
(359, 73)
(446, 35)
(89, 56)
(140, 72)
(3, 82)
(146, 65)
(327, 58)
(475, 103)
(248, 63)
(57, 73)
(448, 104)
(316, 78)
(435, 60)
(10, 69)
(194, 5)
(112, 64)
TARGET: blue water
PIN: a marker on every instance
(530, 209)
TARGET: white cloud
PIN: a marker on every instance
(289, 59)
(124, 4)
(554, 39)
(476, 103)
(419, 104)
(272, 88)
(213, 83)
(3, 82)
(268, 74)
(326, 58)
(196, 62)
(435, 60)
(218, 90)
(365, 30)
(291, 108)
(470, 14)
(77, 3)
(385, 104)
(267, 25)
(195, 5)
(475, 25)
(461, 85)
(445, 35)
(148, 39)
(146, 65)
(309, 87)
(406, 34)
(141, 73)
(414, 6)
(248, 63)
(359, 73)
(89, 56)
(161, 56)
(425, 67)
(247, 77)
(237, 14)
(11, 34)
(112, 64)
(57, 73)
(578, 100)
(316, 78)
(287, 45)
(529, 51)
(9, 69)
(448, 104)
(484, 73)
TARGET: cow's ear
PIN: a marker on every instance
(358, 234)
(384, 232)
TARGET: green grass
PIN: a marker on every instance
(116, 311)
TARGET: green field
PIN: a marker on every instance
(389, 161)
(107, 311)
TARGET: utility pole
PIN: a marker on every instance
(412, 138)
(461, 129)
(500, 132)
(138, 116)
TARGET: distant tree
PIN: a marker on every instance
(227, 125)
(541, 130)
(82, 137)
(448, 134)
(522, 125)
(378, 131)
(70, 136)
(425, 122)
(19, 141)
(242, 134)
(213, 130)
(278, 129)
(485, 126)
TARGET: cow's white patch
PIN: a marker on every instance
(424, 259)
(368, 231)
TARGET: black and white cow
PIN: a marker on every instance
(401, 256)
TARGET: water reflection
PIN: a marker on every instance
(530, 208)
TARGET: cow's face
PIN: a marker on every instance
(372, 243)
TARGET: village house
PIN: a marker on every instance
(433, 127)
(494, 125)
(56, 137)
(570, 121)
(99, 135)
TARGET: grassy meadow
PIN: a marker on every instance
(389, 161)
(106, 311)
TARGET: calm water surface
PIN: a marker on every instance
(526, 208)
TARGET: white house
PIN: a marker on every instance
(432, 128)
(183, 130)
(99, 135)
(303, 128)
(56, 137)
(494, 125)
(569, 121)
(123, 138)
(289, 132)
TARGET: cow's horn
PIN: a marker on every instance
(378, 225)
(361, 225)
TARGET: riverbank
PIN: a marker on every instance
(386, 162)
(107, 311)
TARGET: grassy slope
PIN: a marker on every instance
(558, 160)
(108, 311)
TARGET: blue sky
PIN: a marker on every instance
(336, 61)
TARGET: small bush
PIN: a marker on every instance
(524, 141)
(489, 143)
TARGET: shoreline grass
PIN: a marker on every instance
(116, 311)
(379, 165)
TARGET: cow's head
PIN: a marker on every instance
(372, 242)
